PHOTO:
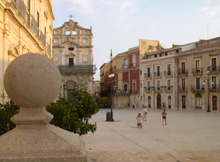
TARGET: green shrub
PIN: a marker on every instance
(71, 116)
(74, 116)
(7, 110)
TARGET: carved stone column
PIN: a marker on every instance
(33, 81)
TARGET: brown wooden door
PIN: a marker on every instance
(158, 101)
(214, 103)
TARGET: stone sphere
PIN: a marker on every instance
(32, 80)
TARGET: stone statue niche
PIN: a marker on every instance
(32, 81)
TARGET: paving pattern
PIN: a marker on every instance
(191, 135)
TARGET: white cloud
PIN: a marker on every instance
(212, 8)
(204, 9)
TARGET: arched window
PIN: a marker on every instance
(169, 102)
(149, 102)
(183, 102)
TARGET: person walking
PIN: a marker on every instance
(145, 113)
(164, 117)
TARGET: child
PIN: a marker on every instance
(139, 120)
(164, 117)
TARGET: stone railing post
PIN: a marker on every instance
(32, 81)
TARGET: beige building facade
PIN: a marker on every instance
(73, 54)
(183, 77)
(25, 27)
(96, 88)
(123, 90)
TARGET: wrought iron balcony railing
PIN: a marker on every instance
(197, 71)
(214, 69)
(65, 69)
(147, 75)
(197, 88)
(183, 72)
(183, 88)
(214, 88)
(157, 74)
(168, 73)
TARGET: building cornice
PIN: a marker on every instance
(183, 54)
(198, 51)
(50, 9)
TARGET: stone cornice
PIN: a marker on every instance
(182, 54)
(50, 9)
(78, 46)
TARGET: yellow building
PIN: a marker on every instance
(25, 27)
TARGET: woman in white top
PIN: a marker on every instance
(145, 114)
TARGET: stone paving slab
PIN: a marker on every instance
(133, 156)
(190, 135)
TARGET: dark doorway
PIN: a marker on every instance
(158, 101)
(198, 101)
(214, 103)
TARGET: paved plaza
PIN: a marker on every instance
(191, 135)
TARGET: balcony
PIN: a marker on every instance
(158, 89)
(168, 89)
(21, 7)
(183, 72)
(147, 89)
(133, 92)
(214, 88)
(66, 69)
(147, 75)
(214, 69)
(157, 74)
(34, 25)
(121, 92)
(42, 38)
(182, 89)
(197, 88)
(125, 66)
(197, 71)
(133, 65)
(168, 73)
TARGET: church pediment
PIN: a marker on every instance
(69, 44)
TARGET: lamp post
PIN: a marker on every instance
(64, 89)
(110, 116)
(208, 72)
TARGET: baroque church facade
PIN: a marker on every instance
(73, 54)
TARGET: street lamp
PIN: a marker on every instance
(110, 115)
(208, 72)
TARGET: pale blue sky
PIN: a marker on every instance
(119, 24)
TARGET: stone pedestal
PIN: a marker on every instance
(34, 139)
